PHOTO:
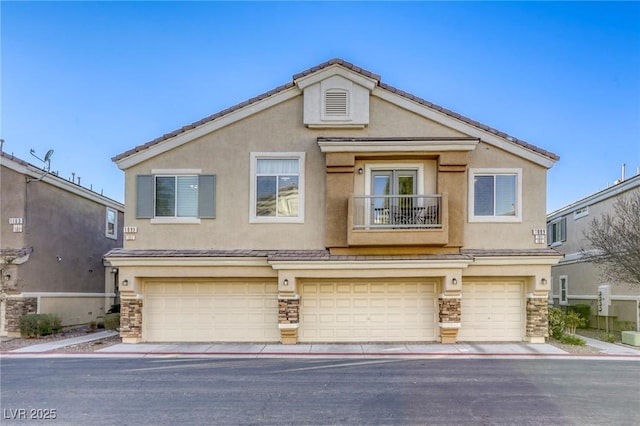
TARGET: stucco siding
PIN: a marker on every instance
(226, 153)
(498, 234)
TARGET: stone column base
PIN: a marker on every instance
(449, 332)
(537, 319)
(131, 320)
(288, 334)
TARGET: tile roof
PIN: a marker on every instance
(324, 255)
(275, 255)
(354, 68)
(546, 251)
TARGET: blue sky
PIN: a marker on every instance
(93, 79)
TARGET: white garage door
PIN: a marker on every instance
(492, 311)
(367, 311)
(210, 311)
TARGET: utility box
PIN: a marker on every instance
(631, 338)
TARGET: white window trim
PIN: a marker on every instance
(254, 157)
(495, 171)
(113, 236)
(161, 220)
(564, 301)
(176, 172)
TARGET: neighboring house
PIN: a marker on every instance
(578, 282)
(53, 236)
(335, 208)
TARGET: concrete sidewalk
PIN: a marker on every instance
(253, 350)
(356, 350)
(611, 348)
(263, 350)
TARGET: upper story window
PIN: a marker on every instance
(175, 196)
(581, 212)
(557, 231)
(111, 227)
(495, 195)
(277, 187)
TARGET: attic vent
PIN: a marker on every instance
(335, 103)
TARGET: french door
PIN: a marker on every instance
(393, 195)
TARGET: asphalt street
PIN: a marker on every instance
(198, 391)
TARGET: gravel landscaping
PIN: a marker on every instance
(11, 343)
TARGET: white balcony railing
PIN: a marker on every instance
(397, 211)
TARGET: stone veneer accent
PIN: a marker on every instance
(450, 310)
(288, 318)
(17, 307)
(537, 317)
(131, 318)
(288, 310)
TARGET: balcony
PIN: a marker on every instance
(398, 220)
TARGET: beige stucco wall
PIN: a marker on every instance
(226, 153)
(502, 235)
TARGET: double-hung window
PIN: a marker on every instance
(277, 187)
(495, 195)
(175, 196)
(557, 231)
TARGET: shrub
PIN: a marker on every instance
(556, 322)
(573, 320)
(571, 339)
(608, 337)
(36, 325)
(624, 325)
(29, 325)
(115, 309)
(584, 311)
(112, 321)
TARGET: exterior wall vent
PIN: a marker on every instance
(335, 103)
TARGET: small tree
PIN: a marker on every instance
(556, 322)
(614, 240)
(572, 321)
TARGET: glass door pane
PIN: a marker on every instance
(405, 189)
(380, 197)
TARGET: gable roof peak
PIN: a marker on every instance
(342, 63)
(364, 77)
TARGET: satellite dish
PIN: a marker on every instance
(48, 155)
(46, 160)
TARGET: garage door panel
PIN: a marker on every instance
(492, 311)
(370, 311)
(202, 311)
